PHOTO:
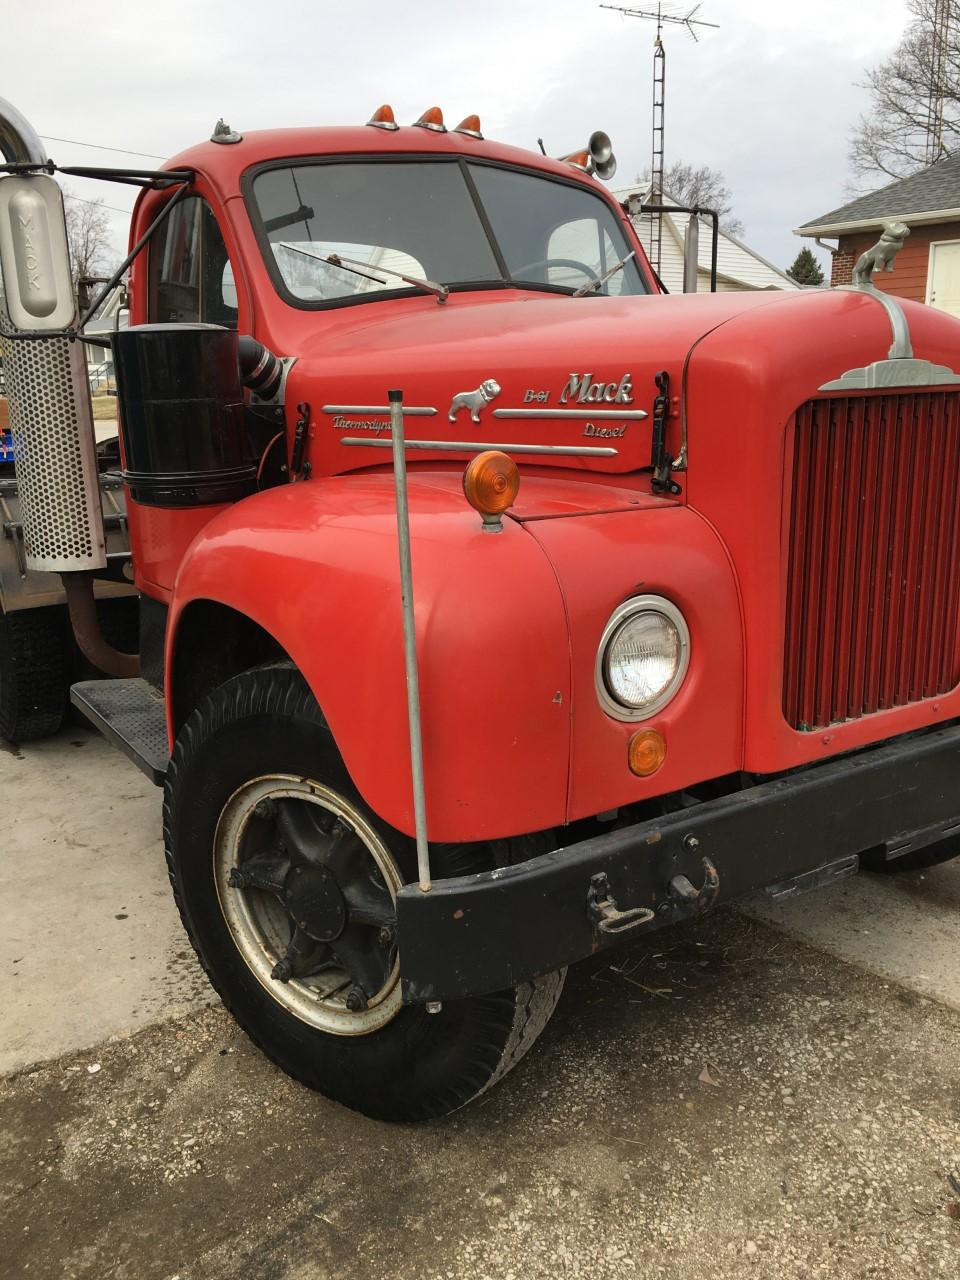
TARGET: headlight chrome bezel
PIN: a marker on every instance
(641, 604)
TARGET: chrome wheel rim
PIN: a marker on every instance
(307, 890)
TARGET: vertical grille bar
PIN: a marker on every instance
(873, 574)
(829, 578)
(851, 543)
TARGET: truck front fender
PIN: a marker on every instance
(316, 566)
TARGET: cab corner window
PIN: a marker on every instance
(191, 278)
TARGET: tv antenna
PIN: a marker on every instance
(691, 22)
(936, 90)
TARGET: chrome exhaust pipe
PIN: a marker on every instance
(19, 143)
(51, 421)
(47, 388)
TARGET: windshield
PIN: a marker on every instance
(423, 219)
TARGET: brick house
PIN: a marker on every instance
(928, 266)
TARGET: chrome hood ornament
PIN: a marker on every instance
(901, 368)
(881, 256)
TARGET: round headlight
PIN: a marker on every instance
(642, 657)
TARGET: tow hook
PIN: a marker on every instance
(685, 900)
(604, 913)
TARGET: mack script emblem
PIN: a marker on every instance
(584, 390)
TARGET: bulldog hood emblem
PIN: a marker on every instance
(475, 401)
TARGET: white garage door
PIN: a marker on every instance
(945, 277)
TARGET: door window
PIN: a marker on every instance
(191, 278)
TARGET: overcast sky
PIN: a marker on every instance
(768, 98)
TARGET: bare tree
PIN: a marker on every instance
(88, 235)
(891, 139)
(701, 185)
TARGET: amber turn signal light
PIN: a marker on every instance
(646, 752)
(491, 483)
(383, 118)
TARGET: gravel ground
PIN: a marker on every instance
(721, 1102)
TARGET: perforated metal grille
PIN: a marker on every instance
(55, 466)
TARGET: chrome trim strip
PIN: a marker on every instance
(411, 412)
(621, 416)
(474, 446)
(641, 604)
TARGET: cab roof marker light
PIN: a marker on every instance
(470, 125)
(432, 118)
(383, 118)
(578, 159)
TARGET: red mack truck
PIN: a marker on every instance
(495, 608)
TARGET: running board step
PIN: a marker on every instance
(131, 715)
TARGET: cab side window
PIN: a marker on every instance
(191, 278)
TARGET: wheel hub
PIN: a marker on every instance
(313, 898)
(308, 890)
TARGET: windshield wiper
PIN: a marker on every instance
(595, 284)
(439, 291)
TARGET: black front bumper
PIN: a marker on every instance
(481, 933)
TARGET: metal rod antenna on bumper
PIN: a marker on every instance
(409, 637)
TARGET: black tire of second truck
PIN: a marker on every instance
(265, 833)
(34, 673)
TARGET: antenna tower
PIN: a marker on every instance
(690, 21)
(940, 34)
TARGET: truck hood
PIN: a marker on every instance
(501, 369)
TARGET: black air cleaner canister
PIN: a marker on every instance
(183, 423)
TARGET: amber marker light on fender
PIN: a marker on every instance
(491, 483)
(646, 752)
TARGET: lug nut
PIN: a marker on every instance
(691, 843)
(385, 935)
(264, 809)
(433, 1006)
(237, 879)
(282, 971)
(356, 1000)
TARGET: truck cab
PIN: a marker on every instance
(496, 607)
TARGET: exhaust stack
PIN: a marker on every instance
(51, 421)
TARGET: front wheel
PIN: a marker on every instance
(286, 884)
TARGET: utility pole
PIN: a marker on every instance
(940, 34)
(690, 21)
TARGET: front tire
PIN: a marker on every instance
(285, 882)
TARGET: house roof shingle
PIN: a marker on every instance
(934, 189)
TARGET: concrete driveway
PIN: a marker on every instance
(774, 1094)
